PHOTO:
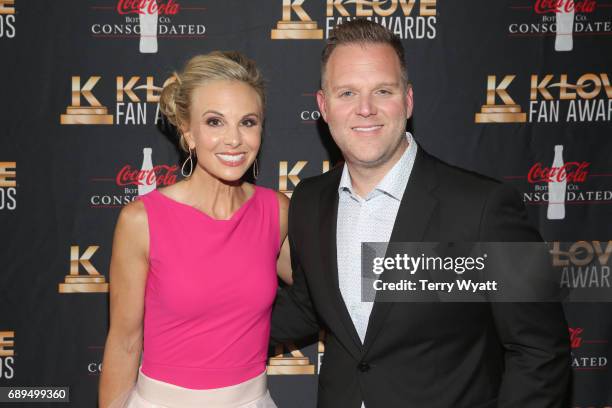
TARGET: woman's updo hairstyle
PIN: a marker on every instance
(175, 99)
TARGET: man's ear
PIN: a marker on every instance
(409, 101)
(322, 104)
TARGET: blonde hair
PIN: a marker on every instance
(175, 99)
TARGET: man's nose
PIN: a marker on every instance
(366, 106)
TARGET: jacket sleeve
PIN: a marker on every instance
(293, 315)
(534, 335)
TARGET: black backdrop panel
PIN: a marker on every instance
(496, 89)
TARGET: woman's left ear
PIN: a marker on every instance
(189, 139)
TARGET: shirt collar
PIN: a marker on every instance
(394, 182)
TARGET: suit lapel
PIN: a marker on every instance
(411, 223)
(327, 234)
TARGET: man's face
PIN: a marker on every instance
(365, 103)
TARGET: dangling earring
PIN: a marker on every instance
(255, 169)
(188, 159)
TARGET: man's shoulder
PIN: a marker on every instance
(457, 181)
(316, 184)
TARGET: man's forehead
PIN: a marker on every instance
(358, 56)
(364, 62)
(365, 48)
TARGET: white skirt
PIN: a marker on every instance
(150, 393)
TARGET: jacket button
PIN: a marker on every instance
(363, 367)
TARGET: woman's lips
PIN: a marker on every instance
(231, 159)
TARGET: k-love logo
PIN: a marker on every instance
(7, 19)
(584, 264)
(563, 19)
(295, 362)
(585, 356)
(8, 185)
(558, 182)
(91, 282)
(130, 181)
(551, 98)
(148, 20)
(409, 19)
(289, 175)
(131, 106)
(7, 355)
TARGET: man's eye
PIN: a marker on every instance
(384, 92)
(346, 93)
(213, 122)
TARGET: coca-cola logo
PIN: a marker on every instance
(559, 6)
(575, 336)
(572, 172)
(162, 175)
(147, 7)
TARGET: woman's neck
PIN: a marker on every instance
(218, 198)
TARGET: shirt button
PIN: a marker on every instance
(363, 367)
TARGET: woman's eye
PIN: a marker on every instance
(213, 122)
(249, 122)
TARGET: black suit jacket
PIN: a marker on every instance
(424, 354)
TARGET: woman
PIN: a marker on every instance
(193, 270)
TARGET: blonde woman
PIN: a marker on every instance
(194, 266)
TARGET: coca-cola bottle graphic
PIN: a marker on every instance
(148, 30)
(148, 182)
(557, 183)
(565, 27)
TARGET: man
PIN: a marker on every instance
(382, 354)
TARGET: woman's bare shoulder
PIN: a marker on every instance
(133, 216)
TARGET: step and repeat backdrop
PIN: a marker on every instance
(519, 90)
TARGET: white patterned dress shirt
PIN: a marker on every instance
(368, 219)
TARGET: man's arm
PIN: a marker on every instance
(535, 335)
(293, 316)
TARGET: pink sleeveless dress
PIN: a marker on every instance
(209, 293)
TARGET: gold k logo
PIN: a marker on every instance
(7, 6)
(296, 6)
(94, 114)
(7, 174)
(77, 91)
(284, 176)
(75, 283)
(294, 364)
(7, 339)
(305, 29)
(84, 260)
(499, 90)
(509, 111)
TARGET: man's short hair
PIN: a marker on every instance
(361, 32)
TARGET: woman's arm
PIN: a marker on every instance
(283, 264)
(128, 274)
